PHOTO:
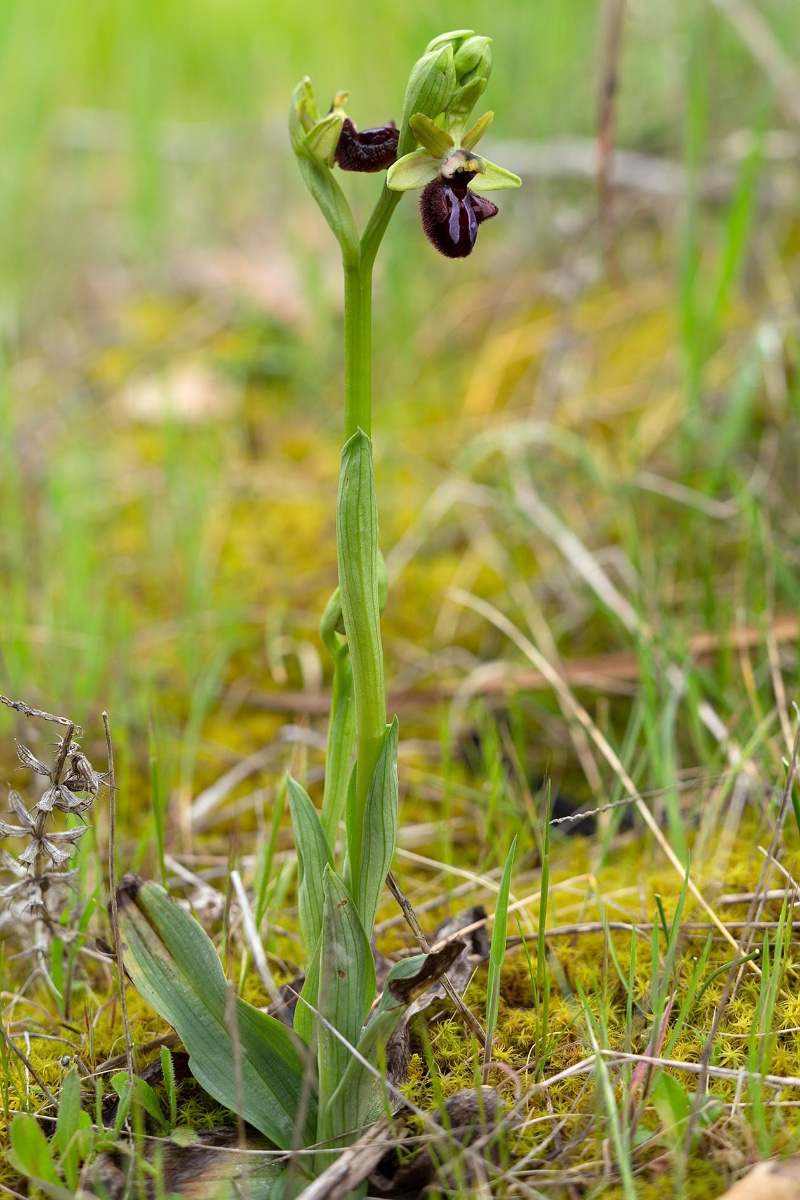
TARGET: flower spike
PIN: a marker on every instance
(444, 165)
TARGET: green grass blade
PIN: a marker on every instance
(497, 953)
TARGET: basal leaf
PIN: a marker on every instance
(173, 964)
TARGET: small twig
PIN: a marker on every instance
(253, 941)
(170, 1040)
(612, 20)
(410, 916)
(112, 884)
(27, 711)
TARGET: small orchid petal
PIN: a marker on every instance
(322, 140)
(495, 179)
(474, 135)
(412, 171)
(435, 140)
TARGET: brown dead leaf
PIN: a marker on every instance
(769, 1181)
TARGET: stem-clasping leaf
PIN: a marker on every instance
(378, 833)
(173, 964)
(346, 985)
(313, 855)
(360, 1094)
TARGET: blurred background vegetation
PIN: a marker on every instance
(170, 314)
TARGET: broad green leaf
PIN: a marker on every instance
(376, 841)
(173, 964)
(30, 1152)
(498, 951)
(346, 986)
(672, 1102)
(313, 855)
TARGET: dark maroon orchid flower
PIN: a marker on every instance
(367, 149)
(451, 214)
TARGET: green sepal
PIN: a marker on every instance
(174, 966)
(412, 171)
(371, 847)
(461, 105)
(346, 985)
(495, 179)
(303, 113)
(313, 855)
(454, 39)
(322, 140)
(474, 135)
(436, 141)
(303, 118)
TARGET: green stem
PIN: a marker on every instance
(357, 349)
(370, 698)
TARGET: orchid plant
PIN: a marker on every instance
(319, 1082)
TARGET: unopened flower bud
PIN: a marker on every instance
(430, 90)
(473, 60)
(455, 38)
